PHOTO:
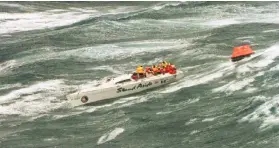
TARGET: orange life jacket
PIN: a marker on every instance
(172, 69)
(154, 69)
(148, 69)
(168, 68)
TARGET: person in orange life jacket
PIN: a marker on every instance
(147, 69)
(168, 68)
(159, 70)
(172, 69)
(165, 65)
(154, 70)
(162, 70)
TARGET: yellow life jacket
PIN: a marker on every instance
(165, 64)
(139, 70)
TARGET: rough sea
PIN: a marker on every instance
(51, 49)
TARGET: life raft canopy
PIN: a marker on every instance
(242, 51)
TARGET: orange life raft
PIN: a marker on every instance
(240, 52)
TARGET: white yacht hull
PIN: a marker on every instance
(118, 90)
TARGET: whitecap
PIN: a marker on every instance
(110, 136)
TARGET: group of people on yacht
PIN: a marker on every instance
(161, 68)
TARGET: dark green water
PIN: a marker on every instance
(50, 49)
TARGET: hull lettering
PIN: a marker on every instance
(122, 89)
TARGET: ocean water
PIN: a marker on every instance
(50, 49)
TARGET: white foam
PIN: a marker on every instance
(202, 78)
(51, 85)
(50, 139)
(251, 142)
(159, 7)
(7, 65)
(191, 121)
(271, 30)
(208, 119)
(163, 113)
(37, 116)
(266, 18)
(251, 90)
(155, 60)
(241, 15)
(124, 50)
(107, 68)
(225, 69)
(110, 136)
(194, 132)
(29, 108)
(234, 85)
(67, 114)
(15, 22)
(11, 5)
(221, 22)
(9, 86)
(244, 69)
(119, 103)
(124, 101)
(275, 68)
(217, 22)
(134, 101)
(269, 121)
(103, 52)
(190, 101)
(264, 113)
(35, 99)
(120, 9)
(246, 37)
(88, 84)
(85, 10)
(268, 56)
(192, 67)
(259, 98)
